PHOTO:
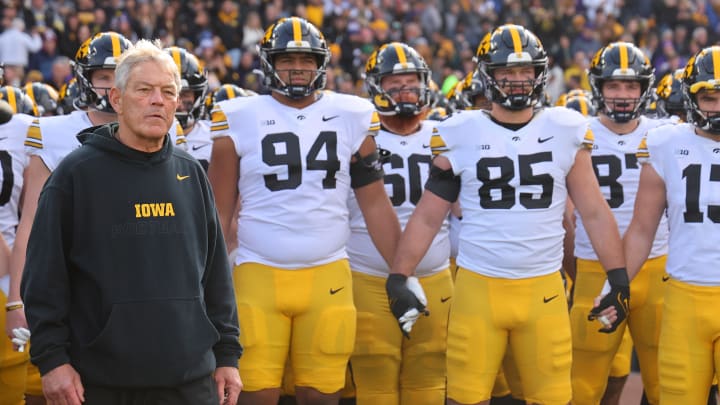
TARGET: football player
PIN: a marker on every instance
(677, 181)
(621, 79)
(302, 151)
(190, 111)
(387, 368)
(670, 96)
(512, 173)
(14, 122)
(44, 96)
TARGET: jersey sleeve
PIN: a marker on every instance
(33, 138)
(218, 123)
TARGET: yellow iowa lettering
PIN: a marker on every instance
(147, 210)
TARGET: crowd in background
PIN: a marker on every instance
(40, 37)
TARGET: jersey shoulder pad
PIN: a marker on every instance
(565, 117)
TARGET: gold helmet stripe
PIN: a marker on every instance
(716, 62)
(517, 43)
(230, 91)
(297, 30)
(623, 57)
(177, 57)
(583, 106)
(402, 58)
(116, 49)
(11, 99)
(29, 91)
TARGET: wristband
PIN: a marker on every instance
(13, 305)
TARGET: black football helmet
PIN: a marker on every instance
(670, 95)
(44, 96)
(508, 46)
(69, 98)
(192, 78)
(470, 89)
(98, 52)
(20, 102)
(581, 104)
(293, 34)
(621, 61)
(391, 59)
(702, 73)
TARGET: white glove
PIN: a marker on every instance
(21, 337)
(411, 316)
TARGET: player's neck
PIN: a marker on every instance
(619, 128)
(505, 115)
(708, 135)
(400, 125)
(298, 103)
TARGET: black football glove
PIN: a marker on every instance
(407, 300)
(618, 297)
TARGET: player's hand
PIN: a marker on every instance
(13, 320)
(612, 307)
(407, 300)
(20, 338)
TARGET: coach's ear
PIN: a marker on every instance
(115, 97)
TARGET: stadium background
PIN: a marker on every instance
(223, 34)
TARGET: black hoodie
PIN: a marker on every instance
(127, 277)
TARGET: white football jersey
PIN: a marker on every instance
(513, 191)
(53, 138)
(405, 175)
(618, 173)
(13, 161)
(199, 143)
(689, 165)
(294, 175)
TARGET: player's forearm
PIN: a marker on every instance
(637, 246)
(606, 241)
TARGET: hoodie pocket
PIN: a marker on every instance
(155, 338)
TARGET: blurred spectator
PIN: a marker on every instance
(252, 31)
(43, 59)
(15, 48)
(61, 72)
(42, 16)
(227, 25)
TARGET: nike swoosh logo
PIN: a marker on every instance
(665, 278)
(3, 138)
(426, 146)
(543, 140)
(443, 299)
(181, 178)
(200, 146)
(324, 118)
(333, 292)
(546, 300)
